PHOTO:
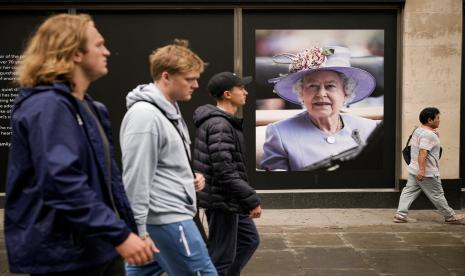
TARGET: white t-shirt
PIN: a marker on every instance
(428, 140)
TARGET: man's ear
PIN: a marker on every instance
(165, 76)
(227, 94)
(78, 56)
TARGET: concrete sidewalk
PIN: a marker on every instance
(346, 242)
(358, 242)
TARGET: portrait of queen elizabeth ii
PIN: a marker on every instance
(323, 81)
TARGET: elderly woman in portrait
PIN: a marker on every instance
(322, 81)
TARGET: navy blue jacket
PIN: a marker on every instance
(59, 211)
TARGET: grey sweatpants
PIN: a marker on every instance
(432, 188)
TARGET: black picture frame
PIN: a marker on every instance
(315, 18)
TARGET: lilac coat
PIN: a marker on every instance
(294, 143)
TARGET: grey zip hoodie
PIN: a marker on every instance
(156, 172)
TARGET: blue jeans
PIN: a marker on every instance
(182, 252)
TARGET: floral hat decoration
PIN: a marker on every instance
(334, 58)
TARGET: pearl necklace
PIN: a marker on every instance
(331, 139)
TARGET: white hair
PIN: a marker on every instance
(347, 83)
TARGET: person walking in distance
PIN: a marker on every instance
(424, 170)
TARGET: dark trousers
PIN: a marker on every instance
(232, 240)
(113, 267)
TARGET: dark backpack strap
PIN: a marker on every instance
(174, 123)
(410, 137)
(196, 218)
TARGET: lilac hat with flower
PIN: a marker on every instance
(334, 58)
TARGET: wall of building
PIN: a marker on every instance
(432, 49)
(431, 57)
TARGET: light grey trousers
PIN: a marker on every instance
(432, 188)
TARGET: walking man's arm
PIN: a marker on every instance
(421, 164)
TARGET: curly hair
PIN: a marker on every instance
(174, 58)
(48, 56)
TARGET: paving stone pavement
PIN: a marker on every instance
(348, 242)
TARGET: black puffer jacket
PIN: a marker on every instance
(219, 154)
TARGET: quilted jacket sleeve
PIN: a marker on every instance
(222, 146)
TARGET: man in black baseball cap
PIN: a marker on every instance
(231, 203)
(226, 81)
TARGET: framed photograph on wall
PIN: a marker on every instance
(325, 98)
(329, 105)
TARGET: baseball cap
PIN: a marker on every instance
(225, 81)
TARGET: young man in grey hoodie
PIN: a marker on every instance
(157, 172)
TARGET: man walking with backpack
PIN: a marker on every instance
(424, 170)
(157, 171)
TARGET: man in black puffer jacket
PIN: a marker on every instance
(219, 154)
